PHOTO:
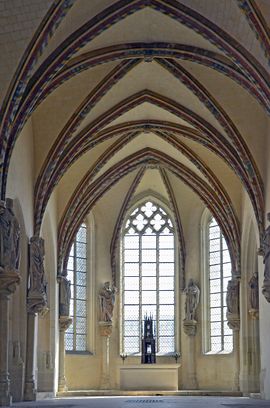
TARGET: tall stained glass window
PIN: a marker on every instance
(148, 278)
(76, 335)
(219, 273)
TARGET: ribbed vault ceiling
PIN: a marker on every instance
(147, 96)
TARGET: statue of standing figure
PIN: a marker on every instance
(192, 299)
(232, 297)
(266, 251)
(254, 292)
(107, 301)
(38, 283)
(9, 237)
(64, 295)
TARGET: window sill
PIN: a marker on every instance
(82, 353)
(219, 353)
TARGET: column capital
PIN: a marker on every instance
(8, 282)
(64, 322)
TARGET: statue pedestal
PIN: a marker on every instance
(105, 330)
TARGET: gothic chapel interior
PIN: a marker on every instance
(135, 184)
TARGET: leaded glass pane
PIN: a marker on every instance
(149, 297)
(166, 344)
(131, 269)
(80, 250)
(149, 255)
(166, 255)
(131, 242)
(149, 269)
(81, 264)
(81, 278)
(131, 344)
(149, 283)
(214, 258)
(81, 235)
(131, 255)
(166, 269)
(166, 241)
(166, 283)
(166, 328)
(149, 241)
(166, 312)
(132, 283)
(80, 342)
(131, 312)
(70, 264)
(81, 292)
(132, 328)
(131, 297)
(166, 297)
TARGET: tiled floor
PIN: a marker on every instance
(153, 402)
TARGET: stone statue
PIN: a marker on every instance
(232, 297)
(107, 301)
(14, 236)
(254, 292)
(37, 300)
(9, 237)
(266, 251)
(64, 295)
(192, 299)
(38, 283)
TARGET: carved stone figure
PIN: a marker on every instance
(37, 275)
(14, 237)
(37, 295)
(254, 292)
(266, 250)
(107, 301)
(266, 260)
(232, 297)
(64, 296)
(192, 299)
(9, 237)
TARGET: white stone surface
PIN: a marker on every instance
(149, 377)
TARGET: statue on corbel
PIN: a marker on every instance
(9, 247)
(254, 296)
(37, 298)
(64, 302)
(106, 306)
(266, 259)
(232, 300)
(192, 292)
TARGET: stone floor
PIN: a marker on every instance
(147, 401)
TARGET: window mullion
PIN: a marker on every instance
(221, 288)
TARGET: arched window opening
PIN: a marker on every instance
(148, 277)
(76, 335)
(218, 273)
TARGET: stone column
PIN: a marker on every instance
(190, 328)
(8, 283)
(30, 386)
(105, 329)
(9, 278)
(233, 317)
(64, 323)
(36, 304)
